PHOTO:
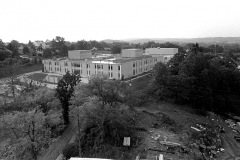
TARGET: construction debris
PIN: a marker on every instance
(195, 129)
(170, 143)
(160, 150)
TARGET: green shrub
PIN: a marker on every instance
(71, 150)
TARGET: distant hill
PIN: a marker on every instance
(111, 40)
(207, 40)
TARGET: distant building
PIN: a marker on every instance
(40, 46)
(130, 63)
(165, 53)
(39, 50)
(20, 49)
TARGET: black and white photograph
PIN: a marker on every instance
(120, 80)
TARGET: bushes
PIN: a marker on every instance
(71, 150)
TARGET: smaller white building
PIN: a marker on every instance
(79, 54)
(166, 53)
(132, 53)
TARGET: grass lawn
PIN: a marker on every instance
(27, 69)
(32, 68)
(140, 83)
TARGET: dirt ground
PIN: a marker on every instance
(185, 118)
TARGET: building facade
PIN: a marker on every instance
(131, 63)
(165, 53)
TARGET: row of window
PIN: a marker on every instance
(144, 62)
(140, 70)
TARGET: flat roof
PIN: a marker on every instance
(129, 59)
(132, 49)
(80, 50)
(161, 48)
(110, 60)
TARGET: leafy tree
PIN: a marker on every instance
(116, 48)
(59, 46)
(12, 72)
(206, 81)
(32, 47)
(103, 129)
(2, 44)
(28, 133)
(4, 54)
(13, 46)
(26, 50)
(109, 92)
(47, 53)
(174, 63)
(64, 92)
(82, 45)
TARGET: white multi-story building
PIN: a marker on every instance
(131, 63)
(165, 53)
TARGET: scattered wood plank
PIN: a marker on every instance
(195, 129)
(170, 143)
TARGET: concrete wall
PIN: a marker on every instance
(132, 52)
(79, 54)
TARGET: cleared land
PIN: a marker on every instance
(155, 122)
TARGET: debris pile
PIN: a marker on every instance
(207, 141)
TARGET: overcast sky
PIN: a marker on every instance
(74, 20)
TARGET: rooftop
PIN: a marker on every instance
(133, 49)
(105, 60)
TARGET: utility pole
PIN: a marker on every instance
(130, 84)
(79, 142)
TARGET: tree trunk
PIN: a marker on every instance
(66, 113)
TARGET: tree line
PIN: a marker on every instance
(204, 80)
(58, 46)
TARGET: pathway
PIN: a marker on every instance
(56, 148)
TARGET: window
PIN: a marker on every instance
(134, 72)
(111, 74)
(66, 64)
(165, 58)
(87, 65)
(111, 67)
(76, 65)
(133, 64)
(119, 76)
(119, 68)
